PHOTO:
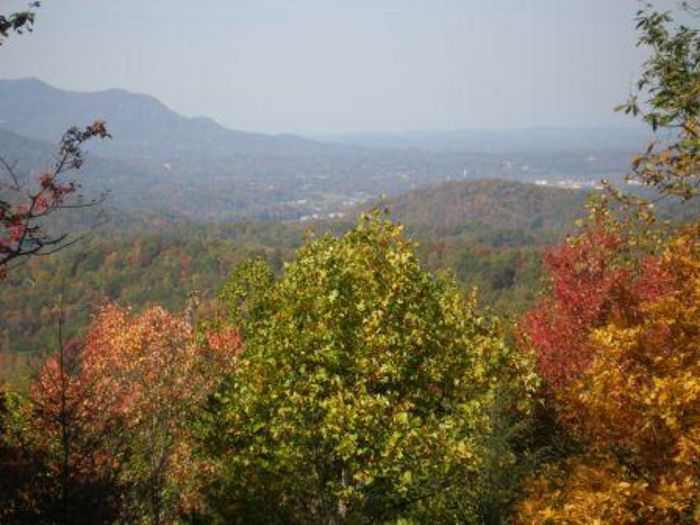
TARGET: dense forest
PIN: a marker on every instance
(489, 235)
(476, 351)
(499, 256)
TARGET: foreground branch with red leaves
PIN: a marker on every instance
(24, 208)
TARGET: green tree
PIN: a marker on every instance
(668, 99)
(18, 22)
(368, 390)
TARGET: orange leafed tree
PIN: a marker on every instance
(120, 406)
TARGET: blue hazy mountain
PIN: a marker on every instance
(526, 140)
(143, 125)
(160, 161)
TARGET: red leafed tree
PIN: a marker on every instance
(583, 283)
(24, 208)
(120, 408)
(593, 282)
(76, 424)
(635, 407)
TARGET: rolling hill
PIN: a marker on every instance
(455, 208)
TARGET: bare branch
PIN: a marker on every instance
(10, 169)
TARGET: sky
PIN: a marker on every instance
(340, 66)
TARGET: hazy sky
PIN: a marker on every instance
(318, 66)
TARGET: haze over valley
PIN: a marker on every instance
(160, 161)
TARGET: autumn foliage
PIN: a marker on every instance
(586, 286)
(24, 207)
(616, 337)
(368, 390)
(353, 386)
(115, 414)
(636, 407)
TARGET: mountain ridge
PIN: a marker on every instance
(144, 125)
(159, 160)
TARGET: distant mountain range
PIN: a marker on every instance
(146, 127)
(513, 141)
(143, 126)
(162, 162)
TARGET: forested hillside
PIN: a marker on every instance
(488, 209)
(128, 262)
(489, 234)
(250, 334)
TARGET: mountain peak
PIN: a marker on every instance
(26, 83)
(140, 123)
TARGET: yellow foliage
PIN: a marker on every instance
(639, 405)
